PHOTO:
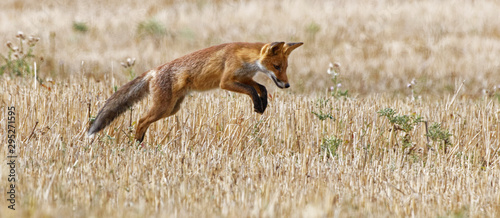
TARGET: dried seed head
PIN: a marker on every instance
(32, 40)
(131, 61)
(20, 35)
(411, 84)
(486, 92)
(496, 88)
(10, 45)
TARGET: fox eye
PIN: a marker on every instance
(277, 67)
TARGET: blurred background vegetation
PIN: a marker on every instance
(381, 46)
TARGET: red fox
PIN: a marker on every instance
(230, 66)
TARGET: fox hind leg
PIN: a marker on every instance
(177, 106)
(154, 114)
(157, 112)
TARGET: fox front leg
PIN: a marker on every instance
(263, 95)
(261, 90)
(250, 91)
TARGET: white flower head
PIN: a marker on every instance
(331, 70)
(486, 92)
(20, 35)
(129, 63)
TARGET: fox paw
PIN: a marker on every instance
(259, 109)
(263, 99)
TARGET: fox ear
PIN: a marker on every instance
(289, 47)
(274, 48)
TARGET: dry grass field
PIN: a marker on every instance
(313, 153)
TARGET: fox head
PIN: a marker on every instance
(274, 61)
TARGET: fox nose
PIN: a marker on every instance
(287, 85)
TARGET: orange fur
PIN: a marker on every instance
(228, 66)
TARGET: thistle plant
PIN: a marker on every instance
(128, 64)
(403, 123)
(334, 71)
(325, 108)
(494, 92)
(440, 136)
(80, 27)
(331, 145)
(412, 85)
(19, 59)
(152, 28)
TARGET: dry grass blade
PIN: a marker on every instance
(218, 158)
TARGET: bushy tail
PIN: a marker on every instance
(119, 102)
